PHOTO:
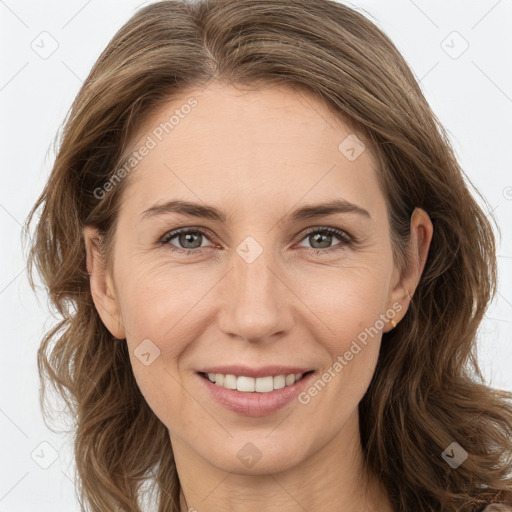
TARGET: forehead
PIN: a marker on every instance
(222, 142)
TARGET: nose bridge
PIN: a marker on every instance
(254, 296)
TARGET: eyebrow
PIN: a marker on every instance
(191, 209)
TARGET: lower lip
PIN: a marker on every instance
(255, 404)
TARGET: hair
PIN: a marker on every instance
(427, 390)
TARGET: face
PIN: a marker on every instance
(261, 283)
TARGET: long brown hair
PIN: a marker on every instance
(427, 391)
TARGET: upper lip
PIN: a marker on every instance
(263, 371)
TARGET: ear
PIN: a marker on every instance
(102, 285)
(417, 252)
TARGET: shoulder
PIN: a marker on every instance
(497, 507)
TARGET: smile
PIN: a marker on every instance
(259, 395)
(253, 385)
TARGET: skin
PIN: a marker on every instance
(257, 155)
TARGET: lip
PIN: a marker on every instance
(255, 404)
(264, 371)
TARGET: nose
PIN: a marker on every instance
(255, 303)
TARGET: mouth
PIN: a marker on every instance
(246, 384)
(266, 392)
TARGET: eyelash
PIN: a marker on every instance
(346, 239)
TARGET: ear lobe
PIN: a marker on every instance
(102, 286)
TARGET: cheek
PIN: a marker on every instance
(348, 301)
(351, 305)
(158, 310)
(157, 301)
(162, 309)
(351, 310)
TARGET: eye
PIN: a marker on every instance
(323, 238)
(190, 238)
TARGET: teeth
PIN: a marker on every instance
(264, 384)
(246, 384)
(279, 381)
(250, 385)
(230, 382)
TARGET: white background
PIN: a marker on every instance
(471, 95)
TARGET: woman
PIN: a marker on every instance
(271, 273)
